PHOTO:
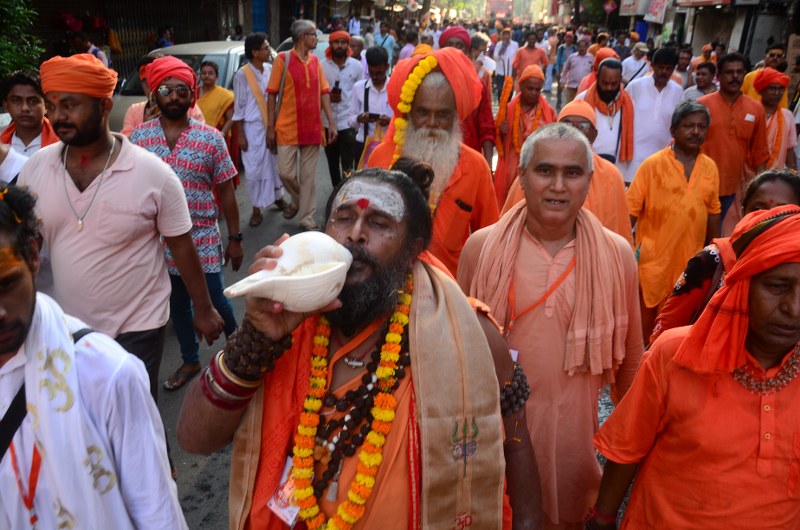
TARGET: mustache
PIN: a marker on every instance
(61, 124)
(361, 254)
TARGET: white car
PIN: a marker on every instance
(229, 56)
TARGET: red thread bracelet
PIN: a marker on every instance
(594, 513)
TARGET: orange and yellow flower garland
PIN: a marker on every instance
(371, 453)
(423, 68)
(515, 135)
(505, 96)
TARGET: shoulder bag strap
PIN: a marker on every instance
(286, 57)
(366, 109)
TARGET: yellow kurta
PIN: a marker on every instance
(672, 218)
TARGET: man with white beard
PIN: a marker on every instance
(428, 107)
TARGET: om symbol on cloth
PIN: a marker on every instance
(54, 380)
(103, 479)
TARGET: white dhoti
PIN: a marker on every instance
(264, 187)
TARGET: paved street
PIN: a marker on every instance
(203, 481)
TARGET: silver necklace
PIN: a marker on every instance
(102, 173)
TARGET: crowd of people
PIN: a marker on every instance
(508, 267)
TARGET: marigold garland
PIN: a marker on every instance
(505, 96)
(515, 134)
(423, 68)
(370, 455)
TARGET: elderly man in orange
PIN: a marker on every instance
(674, 206)
(525, 113)
(781, 136)
(606, 198)
(710, 426)
(430, 94)
(566, 291)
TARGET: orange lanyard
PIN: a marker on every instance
(353, 344)
(512, 302)
(33, 481)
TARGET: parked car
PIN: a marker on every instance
(323, 41)
(229, 56)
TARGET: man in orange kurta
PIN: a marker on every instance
(462, 195)
(709, 427)
(673, 203)
(606, 198)
(525, 113)
(781, 136)
(528, 55)
(737, 137)
(566, 291)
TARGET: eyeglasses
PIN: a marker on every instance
(776, 55)
(774, 89)
(310, 34)
(181, 91)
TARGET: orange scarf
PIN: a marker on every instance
(716, 341)
(48, 134)
(599, 325)
(624, 104)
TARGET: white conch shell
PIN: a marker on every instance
(308, 276)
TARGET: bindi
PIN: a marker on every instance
(362, 203)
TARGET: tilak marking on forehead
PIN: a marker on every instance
(381, 196)
(8, 258)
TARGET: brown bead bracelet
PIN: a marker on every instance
(514, 393)
(249, 354)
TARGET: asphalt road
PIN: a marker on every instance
(203, 480)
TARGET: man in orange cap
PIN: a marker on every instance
(606, 198)
(704, 57)
(105, 206)
(426, 127)
(477, 129)
(781, 136)
(565, 290)
(525, 113)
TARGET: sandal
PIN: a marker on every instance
(290, 211)
(182, 376)
(256, 218)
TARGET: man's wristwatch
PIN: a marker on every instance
(236, 237)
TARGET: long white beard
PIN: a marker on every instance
(438, 148)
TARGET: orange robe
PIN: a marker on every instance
(710, 453)
(606, 198)
(467, 203)
(672, 215)
(506, 170)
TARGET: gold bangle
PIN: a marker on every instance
(233, 378)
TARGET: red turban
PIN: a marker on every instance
(769, 76)
(716, 342)
(80, 74)
(455, 31)
(581, 109)
(601, 55)
(338, 35)
(171, 66)
(455, 66)
(533, 71)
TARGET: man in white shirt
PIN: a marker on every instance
(504, 52)
(342, 72)
(635, 66)
(86, 446)
(370, 103)
(654, 100)
(23, 99)
(354, 26)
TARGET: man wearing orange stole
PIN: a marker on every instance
(525, 113)
(386, 402)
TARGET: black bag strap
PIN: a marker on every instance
(638, 72)
(17, 411)
(366, 108)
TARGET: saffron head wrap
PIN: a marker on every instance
(763, 240)
(170, 66)
(455, 66)
(533, 71)
(79, 74)
(422, 49)
(455, 31)
(769, 76)
(601, 55)
(338, 35)
(581, 109)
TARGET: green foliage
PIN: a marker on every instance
(19, 48)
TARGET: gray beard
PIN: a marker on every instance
(438, 148)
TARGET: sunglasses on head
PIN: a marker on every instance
(181, 91)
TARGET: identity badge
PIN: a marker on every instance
(749, 117)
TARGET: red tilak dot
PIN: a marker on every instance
(362, 203)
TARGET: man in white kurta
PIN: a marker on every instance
(89, 451)
(264, 187)
(654, 100)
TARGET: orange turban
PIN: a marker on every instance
(579, 108)
(769, 76)
(533, 71)
(338, 35)
(716, 341)
(80, 74)
(422, 49)
(455, 66)
(171, 66)
(603, 54)
(634, 36)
